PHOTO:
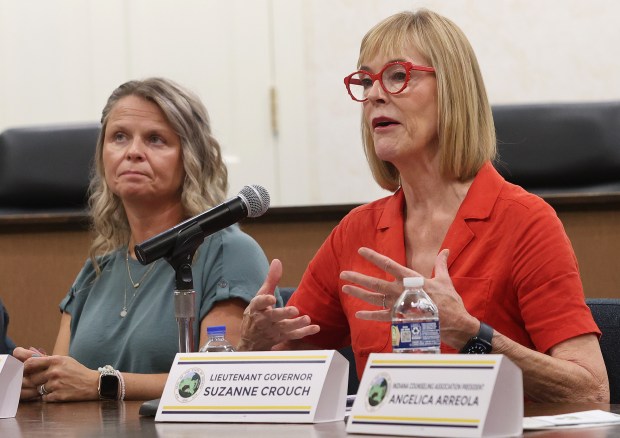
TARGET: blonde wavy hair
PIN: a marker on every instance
(206, 177)
(465, 128)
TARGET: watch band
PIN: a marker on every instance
(481, 343)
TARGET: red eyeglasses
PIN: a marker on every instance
(393, 78)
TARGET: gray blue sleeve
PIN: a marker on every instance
(234, 266)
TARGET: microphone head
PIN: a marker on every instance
(256, 199)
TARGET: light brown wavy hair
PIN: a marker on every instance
(465, 128)
(206, 177)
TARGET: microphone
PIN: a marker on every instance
(252, 201)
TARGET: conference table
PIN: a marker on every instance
(122, 419)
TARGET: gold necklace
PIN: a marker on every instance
(134, 284)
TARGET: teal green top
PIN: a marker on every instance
(229, 264)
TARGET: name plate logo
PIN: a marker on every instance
(189, 385)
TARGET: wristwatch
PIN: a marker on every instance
(109, 383)
(481, 343)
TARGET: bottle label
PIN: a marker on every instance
(415, 334)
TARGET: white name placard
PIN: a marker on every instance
(257, 387)
(442, 395)
(11, 372)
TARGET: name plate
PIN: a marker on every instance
(256, 387)
(11, 373)
(447, 395)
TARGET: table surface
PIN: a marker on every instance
(122, 419)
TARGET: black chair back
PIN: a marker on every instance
(559, 147)
(606, 313)
(46, 168)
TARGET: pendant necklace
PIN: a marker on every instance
(135, 285)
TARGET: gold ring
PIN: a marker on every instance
(42, 391)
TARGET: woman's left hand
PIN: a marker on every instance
(29, 390)
(376, 291)
(456, 324)
(65, 379)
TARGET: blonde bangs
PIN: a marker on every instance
(390, 38)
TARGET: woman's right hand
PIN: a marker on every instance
(264, 325)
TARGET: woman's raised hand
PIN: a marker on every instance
(265, 326)
(456, 324)
(376, 291)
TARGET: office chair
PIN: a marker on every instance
(606, 313)
(46, 168)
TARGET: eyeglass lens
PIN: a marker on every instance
(393, 80)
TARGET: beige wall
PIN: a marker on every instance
(38, 263)
(62, 58)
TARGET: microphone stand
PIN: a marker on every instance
(185, 246)
(186, 243)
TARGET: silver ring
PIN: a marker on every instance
(383, 305)
(41, 390)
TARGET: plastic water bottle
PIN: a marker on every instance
(415, 320)
(217, 340)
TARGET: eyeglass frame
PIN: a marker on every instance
(378, 77)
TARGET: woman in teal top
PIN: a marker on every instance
(156, 164)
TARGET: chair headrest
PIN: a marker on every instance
(46, 166)
(571, 145)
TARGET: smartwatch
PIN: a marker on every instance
(108, 383)
(481, 343)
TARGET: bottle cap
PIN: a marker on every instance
(216, 330)
(413, 281)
